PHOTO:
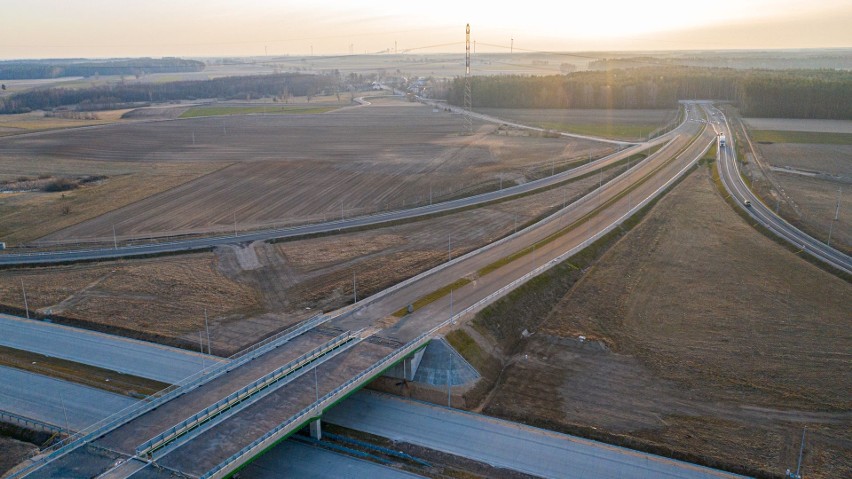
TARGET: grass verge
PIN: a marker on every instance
(433, 296)
(85, 374)
(778, 136)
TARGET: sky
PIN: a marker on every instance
(205, 28)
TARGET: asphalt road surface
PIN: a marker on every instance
(49, 400)
(128, 356)
(502, 443)
(730, 176)
(294, 459)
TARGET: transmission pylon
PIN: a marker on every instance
(468, 102)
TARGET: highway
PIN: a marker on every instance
(123, 355)
(294, 459)
(735, 185)
(203, 243)
(218, 446)
(49, 400)
(504, 444)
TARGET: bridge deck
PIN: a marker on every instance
(220, 442)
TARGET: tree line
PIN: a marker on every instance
(40, 69)
(758, 93)
(116, 95)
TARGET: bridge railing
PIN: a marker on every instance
(13, 418)
(242, 394)
(316, 409)
(181, 387)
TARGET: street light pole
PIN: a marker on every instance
(201, 346)
(836, 217)
(207, 327)
(26, 304)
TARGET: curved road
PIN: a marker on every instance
(195, 244)
(732, 180)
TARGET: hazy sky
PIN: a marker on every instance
(109, 28)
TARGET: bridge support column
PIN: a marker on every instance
(407, 368)
(316, 429)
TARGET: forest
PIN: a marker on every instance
(40, 69)
(758, 93)
(119, 95)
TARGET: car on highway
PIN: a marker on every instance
(747, 203)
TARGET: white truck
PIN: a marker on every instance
(721, 139)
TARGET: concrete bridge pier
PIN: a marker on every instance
(315, 429)
(407, 368)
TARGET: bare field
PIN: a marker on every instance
(291, 169)
(787, 124)
(812, 200)
(13, 452)
(622, 124)
(704, 338)
(816, 202)
(27, 216)
(37, 121)
(831, 159)
(156, 298)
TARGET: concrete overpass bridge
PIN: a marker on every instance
(211, 424)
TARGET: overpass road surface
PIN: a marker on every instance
(11, 258)
(504, 444)
(127, 356)
(73, 406)
(202, 434)
(729, 173)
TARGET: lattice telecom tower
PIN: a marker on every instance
(468, 121)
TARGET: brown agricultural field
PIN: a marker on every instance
(37, 121)
(810, 202)
(161, 299)
(26, 216)
(287, 169)
(815, 206)
(831, 159)
(704, 339)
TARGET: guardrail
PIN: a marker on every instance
(11, 417)
(316, 409)
(181, 387)
(208, 413)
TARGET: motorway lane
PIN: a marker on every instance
(294, 459)
(128, 356)
(502, 443)
(47, 399)
(734, 184)
(53, 257)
